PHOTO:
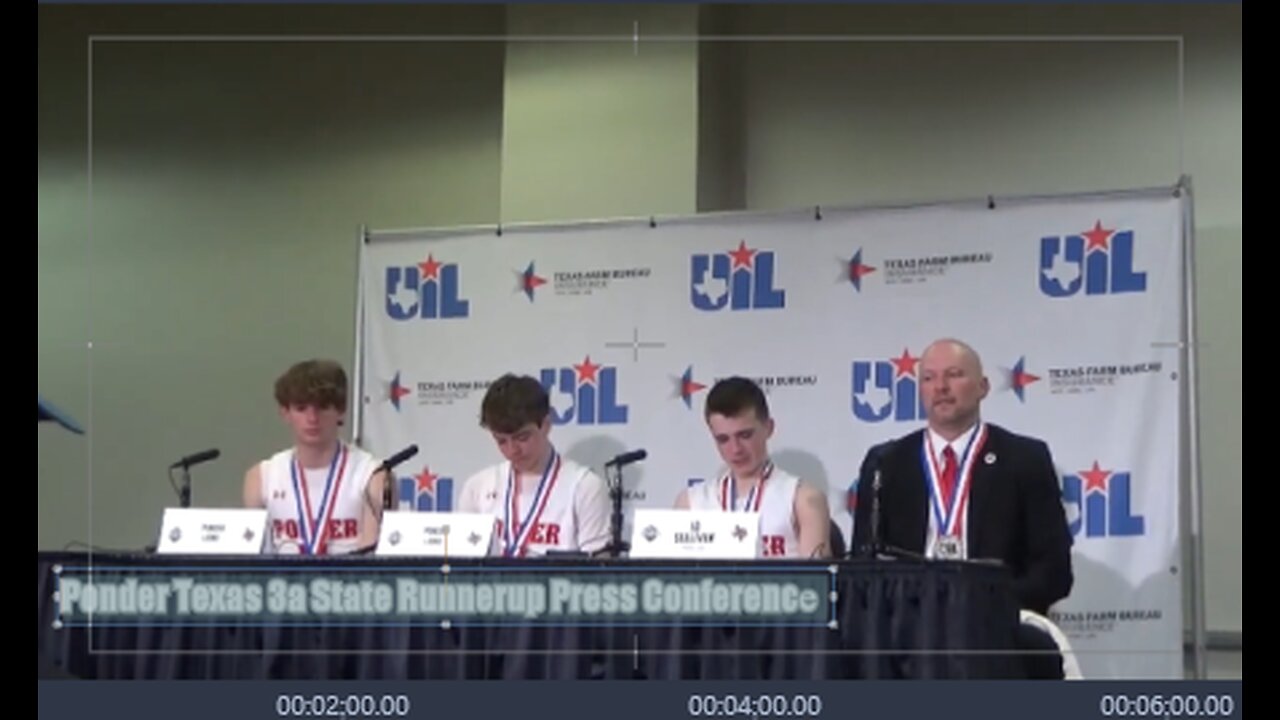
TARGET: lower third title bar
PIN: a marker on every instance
(148, 599)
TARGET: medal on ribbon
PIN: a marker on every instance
(313, 529)
(729, 491)
(515, 535)
(948, 513)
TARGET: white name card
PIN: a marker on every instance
(435, 534)
(674, 534)
(212, 531)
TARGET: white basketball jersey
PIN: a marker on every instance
(778, 537)
(316, 508)
(565, 508)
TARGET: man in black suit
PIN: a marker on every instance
(966, 489)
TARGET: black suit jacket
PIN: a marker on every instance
(1015, 510)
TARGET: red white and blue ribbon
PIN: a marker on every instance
(515, 535)
(314, 528)
(948, 518)
(729, 491)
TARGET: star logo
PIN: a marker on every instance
(1019, 378)
(396, 391)
(742, 257)
(1095, 479)
(530, 281)
(430, 268)
(905, 366)
(857, 270)
(587, 371)
(1097, 239)
(425, 481)
(687, 387)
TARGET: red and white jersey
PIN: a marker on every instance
(564, 508)
(316, 510)
(774, 498)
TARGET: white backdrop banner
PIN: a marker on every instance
(1075, 305)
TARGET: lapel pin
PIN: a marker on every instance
(990, 458)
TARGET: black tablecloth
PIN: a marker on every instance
(899, 619)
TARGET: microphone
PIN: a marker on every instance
(879, 548)
(399, 457)
(877, 482)
(627, 458)
(875, 509)
(196, 458)
(184, 492)
(617, 547)
(388, 496)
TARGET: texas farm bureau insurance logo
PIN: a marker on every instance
(1098, 261)
(1016, 379)
(428, 290)
(400, 391)
(907, 270)
(686, 387)
(771, 383)
(739, 279)
(574, 281)
(1081, 379)
(1097, 621)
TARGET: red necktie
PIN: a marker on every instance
(948, 479)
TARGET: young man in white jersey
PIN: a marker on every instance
(541, 500)
(794, 518)
(322, 494)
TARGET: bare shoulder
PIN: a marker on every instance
(807, 491)
(682, 500)
(809, 497)
(253, 474)
(252, 491)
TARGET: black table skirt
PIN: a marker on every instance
(895, 620)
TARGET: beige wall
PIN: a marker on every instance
(230, 180)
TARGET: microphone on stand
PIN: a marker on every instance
(184, 492)
(388, 497)
(197, 458)
(878, 548)
(627, 458)
(616, 546)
